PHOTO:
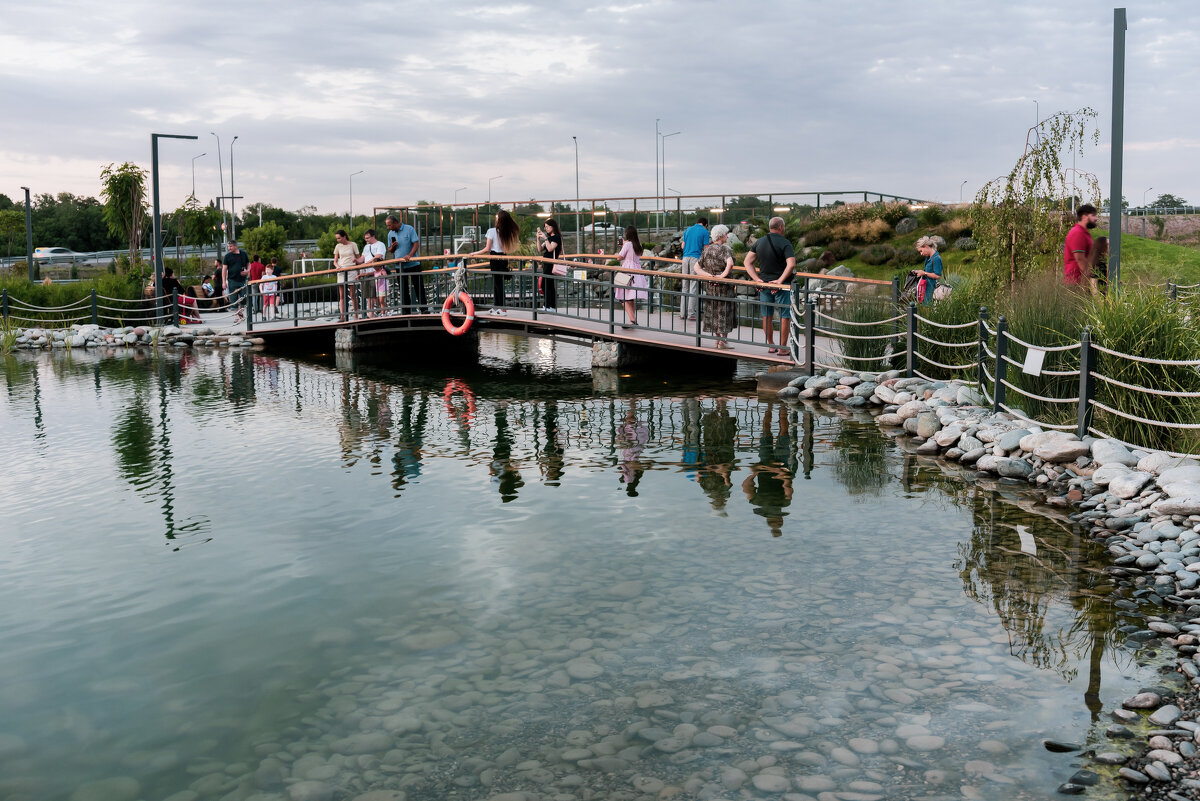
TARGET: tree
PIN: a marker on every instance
(1168, 201)
(1108, 203)
(265, 241)
(1019, 220)
(124, 193)
(12, 224)
(198, 224)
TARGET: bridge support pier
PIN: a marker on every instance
(346, 339)
(617, 354)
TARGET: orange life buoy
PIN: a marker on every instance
(468, 305)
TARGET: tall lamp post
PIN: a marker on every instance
(960, 189)
(232, 196)
(493, 178)
(156, 231)
(678, 207)
(194, 172)
(360, 172)
(665, 137)
(1144, 201)
(221, 199)
(456, 191)
(28, 234)
(578, 233)
(657, 190)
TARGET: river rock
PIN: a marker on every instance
(1146, 700)
(120, 788)
(1106, 452)
(1014, 468)
(1107, 473)
(310, 791)
(1186, 505)
(1165, 715)
(1059, 449)
(367, 743)
(1129, 483)
(1011, 440)
(1179, 475)
(770, 783)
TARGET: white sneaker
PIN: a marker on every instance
(551, 309)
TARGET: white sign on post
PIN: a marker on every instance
(1034, 358)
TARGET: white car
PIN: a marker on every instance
(57, 253)
(599, 226)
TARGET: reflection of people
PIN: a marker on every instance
(407, 459)
(718, 311)
(503, 468)
(719, 432)
(769, 485)
(632, 437)
(551, 460)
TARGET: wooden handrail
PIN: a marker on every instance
(566, 262)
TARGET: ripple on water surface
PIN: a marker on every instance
(273, 579)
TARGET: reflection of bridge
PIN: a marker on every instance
(588, 308)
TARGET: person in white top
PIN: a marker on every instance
(503, 238)
(345, 254)
(374, 250)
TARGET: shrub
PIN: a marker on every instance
(878, 254)
(962, 306)
(818, 236)
(906, 258)
(932, 215)
(865, 354)
(953, 229)
(865, 231)
(1144, 322)
(841, 249)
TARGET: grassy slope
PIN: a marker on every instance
(1142, 261)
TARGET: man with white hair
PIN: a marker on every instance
(776, 259)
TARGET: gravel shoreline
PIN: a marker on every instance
(1144, 506)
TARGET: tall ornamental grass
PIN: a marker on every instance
(1145, 323)
(77, 294)
(963, 305)
(865, 309)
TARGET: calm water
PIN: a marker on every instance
(234, 576)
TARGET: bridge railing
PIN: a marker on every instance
(719, 311)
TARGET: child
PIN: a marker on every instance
(270, 292)
(207, 286)
(381, 288)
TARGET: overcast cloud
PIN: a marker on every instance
(424, 97)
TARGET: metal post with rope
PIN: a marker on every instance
(459, 294)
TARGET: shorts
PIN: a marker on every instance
(770, 297)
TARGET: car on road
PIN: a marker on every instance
(599, 227)
(57, 254)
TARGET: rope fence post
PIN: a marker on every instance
(911, 344)
(810, 335)
(95, 311)
(250, 289)
(1001, 352)
(174, 307)
(612, 298)
(4, 306)
(981, 375)
(895, 290)
(1087, 384)
(1173, 290)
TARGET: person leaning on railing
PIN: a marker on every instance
(777, 259)
(718, 311)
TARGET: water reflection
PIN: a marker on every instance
(824, 603)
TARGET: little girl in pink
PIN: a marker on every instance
(635, 289)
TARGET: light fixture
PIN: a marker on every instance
(599, 213)
(716, 211)
(544, 214)
(783, 208)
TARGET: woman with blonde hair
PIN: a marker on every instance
(718, 312)
(501, 239)
(931, 273)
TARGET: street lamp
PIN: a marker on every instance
(493, 178)
(1144, 199)
(657, 190)
(360, 172)
(221, 199)
(194, 172)
(156, 230)
(960, 189)
(232, 196)
(577, 232)
(456, 191)
(665, 137)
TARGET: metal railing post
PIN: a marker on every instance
(810, 336)
(699, 313)
(612, 299)
(250, 288)
(95, 310)
(174, 307)
(981, 375)
(1087, 384)
(895, 290)
(296, 302)
(911, 343)
(1001, 365)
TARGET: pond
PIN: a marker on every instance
(233, 575)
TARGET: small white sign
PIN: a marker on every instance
(1027, 544)
(1034, 359)
(580, 275)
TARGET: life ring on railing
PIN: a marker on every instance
(468, 305)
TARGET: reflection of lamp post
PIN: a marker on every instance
(665, 137)
(194, 172)
(960, 189)
(493, 178)
(360, 172)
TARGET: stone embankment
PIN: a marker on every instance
(94, 336)
(1144, 506)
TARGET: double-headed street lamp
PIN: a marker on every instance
(221, 199)
(194, 172)
(232, 196)
(360, 172)
(156, 230)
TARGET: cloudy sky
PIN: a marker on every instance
(911, 98)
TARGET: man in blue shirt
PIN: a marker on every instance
(403, 243)
(695, 239)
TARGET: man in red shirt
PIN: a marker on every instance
(1078, 247)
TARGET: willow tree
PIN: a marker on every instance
(124, 193)
(1020, 220)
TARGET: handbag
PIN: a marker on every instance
(623, 279)
(559, 269)
(942, 291)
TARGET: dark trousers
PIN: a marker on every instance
(412, 290)
(498, 266)
(549, 286)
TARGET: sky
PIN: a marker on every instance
(907, 98)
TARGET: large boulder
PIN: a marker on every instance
(1106, 451)
(906, 226)
(1158, 462)
(1176, 475)
(1106, 473)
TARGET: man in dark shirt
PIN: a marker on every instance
(776, 260)
(236, 265)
